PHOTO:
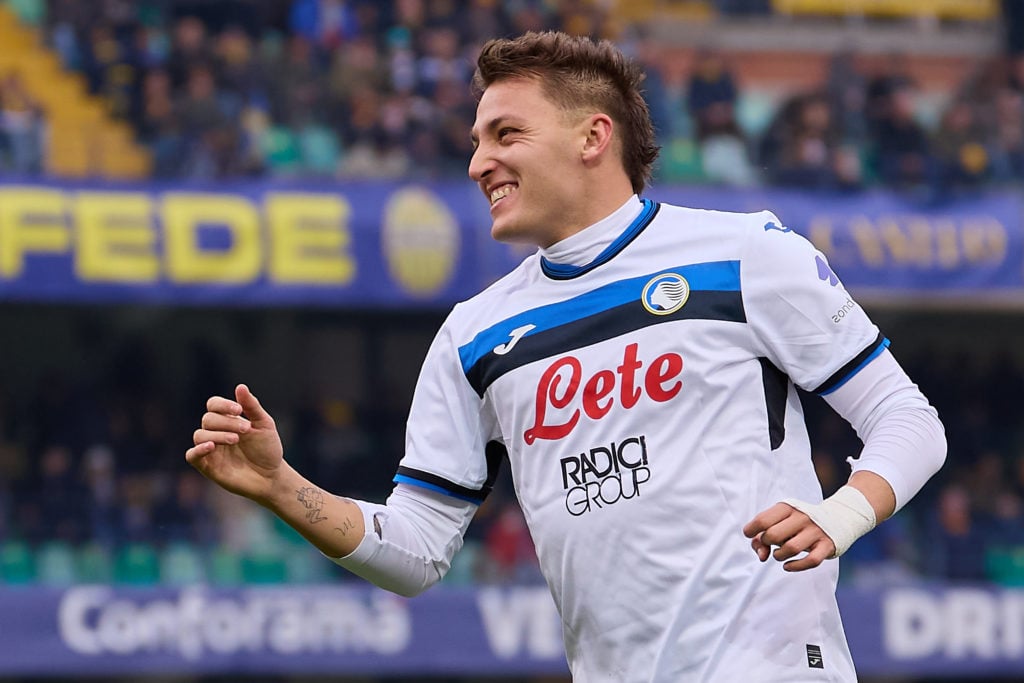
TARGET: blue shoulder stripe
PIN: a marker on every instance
(601, 314)
(715, 276)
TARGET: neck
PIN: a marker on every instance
(600, 200)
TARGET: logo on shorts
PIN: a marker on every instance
(665, 293)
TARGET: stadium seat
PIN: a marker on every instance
(83, 138)
(281, 152)
(307, 565)
(182, 563)
(55, 564)
(264, 565)
(137, 563)
(17, 565)
(94, 564)
(1005, 565)
(285, 533)
(320, 151)
(223, 567)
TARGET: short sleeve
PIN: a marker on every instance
(449, 446)
(807, 323)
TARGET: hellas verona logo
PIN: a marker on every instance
(665, 293)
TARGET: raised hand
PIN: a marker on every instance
(238, 446)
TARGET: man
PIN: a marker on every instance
(637, 372)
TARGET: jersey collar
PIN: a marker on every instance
(584, 242)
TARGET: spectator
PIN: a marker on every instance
(238, 72)
(961, 149)
(158, 126)
(183, 513)
(21, 128)
(59, 509)
(901, 145)
(102, 503)
(954, 537)
(892, 74)
(1008, 136)
(189, 47)
(711, 97)
(808, 152)
(846, 90)
(711, 102)
(375, 154)
(207, 127)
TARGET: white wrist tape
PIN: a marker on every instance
(844, 516)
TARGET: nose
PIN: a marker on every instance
(480, 164)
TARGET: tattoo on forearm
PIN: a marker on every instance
(345, 527)
(313, 500)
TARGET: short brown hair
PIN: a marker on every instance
(576, 73)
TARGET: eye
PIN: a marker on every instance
(505, 132)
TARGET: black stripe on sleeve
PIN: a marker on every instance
(495, 453)
(845, 372)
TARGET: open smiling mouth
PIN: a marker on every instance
(499, 193)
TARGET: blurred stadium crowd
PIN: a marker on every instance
(360, 89)
(93, 485)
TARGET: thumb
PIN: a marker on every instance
(250, 405)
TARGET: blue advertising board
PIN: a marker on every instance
(381, 244)
(913, 630)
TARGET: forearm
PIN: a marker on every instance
(904, 445)
(904, 441)
(877, 491)
(331, 523)
(413, 540)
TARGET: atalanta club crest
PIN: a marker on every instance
(665, 294)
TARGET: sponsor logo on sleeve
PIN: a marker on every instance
(843, 311)
(825, 272)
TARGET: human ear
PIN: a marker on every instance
(598, 136)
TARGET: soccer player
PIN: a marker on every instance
(638, 372)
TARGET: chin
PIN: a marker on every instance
(503, 231)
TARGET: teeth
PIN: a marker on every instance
(502, 191)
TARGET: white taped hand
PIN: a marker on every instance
(844, 516)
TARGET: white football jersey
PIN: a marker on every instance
(646, 405)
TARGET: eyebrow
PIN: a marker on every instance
(491, 125)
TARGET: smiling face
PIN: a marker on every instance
(531, 164)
